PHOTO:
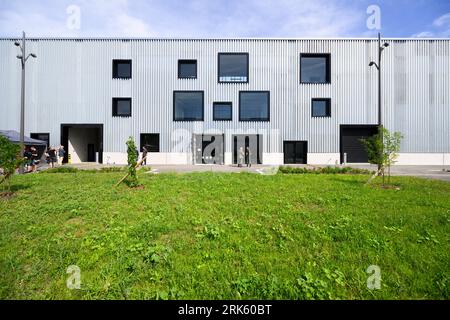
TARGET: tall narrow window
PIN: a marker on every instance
(321, 107)
(187, 69)
(150, 141)
(222, 111)
(121, 107)
(315, 68)
(122, 69)
(233, 67)
(254, 106)
(188, 105)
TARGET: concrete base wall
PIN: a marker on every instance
(172, 158)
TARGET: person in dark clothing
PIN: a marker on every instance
(34, 159)
(248, 155)
(144, 155)
(28, 161)
(52, 156)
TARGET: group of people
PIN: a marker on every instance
(55, 155)
(52, 155)
(244, 155)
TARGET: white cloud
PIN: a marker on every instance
(441, 26)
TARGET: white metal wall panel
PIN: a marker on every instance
(71, 82)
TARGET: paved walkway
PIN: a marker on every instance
(429, 172)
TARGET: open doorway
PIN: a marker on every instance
(253, 142)
(83, 142)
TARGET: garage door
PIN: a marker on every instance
(351, 142)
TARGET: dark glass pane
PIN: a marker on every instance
(254, 106)
(187, 69)
(188, 106)
(222, 111)
(320, 108)
(233, 68)
(123, 107)
(122, 69)
(150, 141)
(314, 69)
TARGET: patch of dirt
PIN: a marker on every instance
(387, 187)
(75, 221)
(141, 187)
(6, 195)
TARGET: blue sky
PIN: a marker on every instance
(222, 18)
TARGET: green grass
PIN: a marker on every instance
(224, 236)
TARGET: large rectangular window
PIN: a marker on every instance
(222, 111)
(122, 69)
(187, 69)
(122, 107)
(315, 68)
(150, 141)
(254, 106)
(233, 67)
(321, 107)
(188, 105)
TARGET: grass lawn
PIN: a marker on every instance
(224, 236)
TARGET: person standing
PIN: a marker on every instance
(241, 156)
(248, 155)
(34, 159)
(28, 156)
(144, 155)
(52, 156)
(61, 154)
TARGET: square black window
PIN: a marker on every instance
(122, 69)
(254, 106)
(321, 107)
(222, 111)
(315, 68)
(188, 105)
(41, 136)
(150, 141)
(121, 107)
(187, 69)
(233, 67)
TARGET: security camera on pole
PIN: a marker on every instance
(23, 59)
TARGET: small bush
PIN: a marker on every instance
(323, 170)
(113, 169)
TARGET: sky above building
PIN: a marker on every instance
(225, 18)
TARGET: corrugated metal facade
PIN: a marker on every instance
(71, 82)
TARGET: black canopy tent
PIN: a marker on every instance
(14, 137)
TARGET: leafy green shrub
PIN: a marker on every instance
(323, 170)
(112, 169)
(9, 160)
(132, 180)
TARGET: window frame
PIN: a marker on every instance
(114, 68)
(41, 133)
(223, 103)
(180, 61)
(230, 54)
(328, 107)
(114, 107)
(189, 91)
(141, 145)
(268, 106)
(327, 56)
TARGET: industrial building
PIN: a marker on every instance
(198, 101)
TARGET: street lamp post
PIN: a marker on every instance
(23, 59)
(378, 66)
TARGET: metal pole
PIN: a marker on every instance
(22, 106)
(380, 122)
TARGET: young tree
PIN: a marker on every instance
(9, 160)
(132, 160)
(382, 150)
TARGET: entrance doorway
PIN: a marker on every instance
(295, 152)
(253, 142)
(82, 142)
(208, 149)
(351, 144)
